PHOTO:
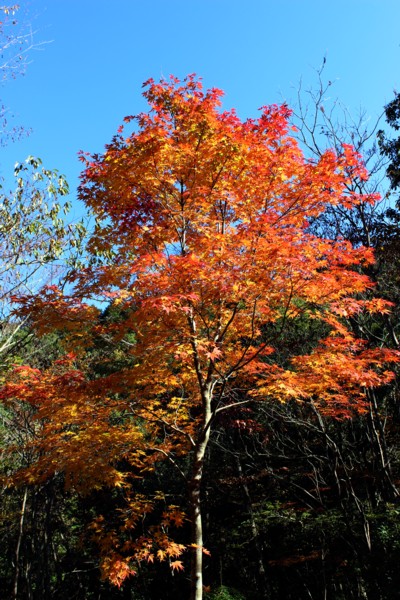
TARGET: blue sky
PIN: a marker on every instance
(78, 87)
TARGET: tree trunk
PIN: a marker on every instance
(19, 542)
(195, 504)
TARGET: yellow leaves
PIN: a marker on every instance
(279, 173)
(280, 385)
(161, 555)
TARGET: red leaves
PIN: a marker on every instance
(353, 163)
(202, 244)
(209, 219)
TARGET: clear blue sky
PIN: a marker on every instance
(79, 87)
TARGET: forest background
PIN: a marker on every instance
(313, 502)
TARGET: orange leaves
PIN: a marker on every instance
(156, 546)
(336, 375)
(175, 516)
(177, 565)
(350, 306)
(116, 569)
(202, 245)
(353, 163)
(204, 550)
(51, 310)
(73, 420)
(214, 353)
(378, 305)
(210, 217)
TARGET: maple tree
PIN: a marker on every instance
(202, 242)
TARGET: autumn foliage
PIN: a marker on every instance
(202, 242)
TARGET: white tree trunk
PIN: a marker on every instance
(195, 504)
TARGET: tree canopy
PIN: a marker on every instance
(203, 248)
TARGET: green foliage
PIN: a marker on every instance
(33, 232)
(390, 147)
(225, 593)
